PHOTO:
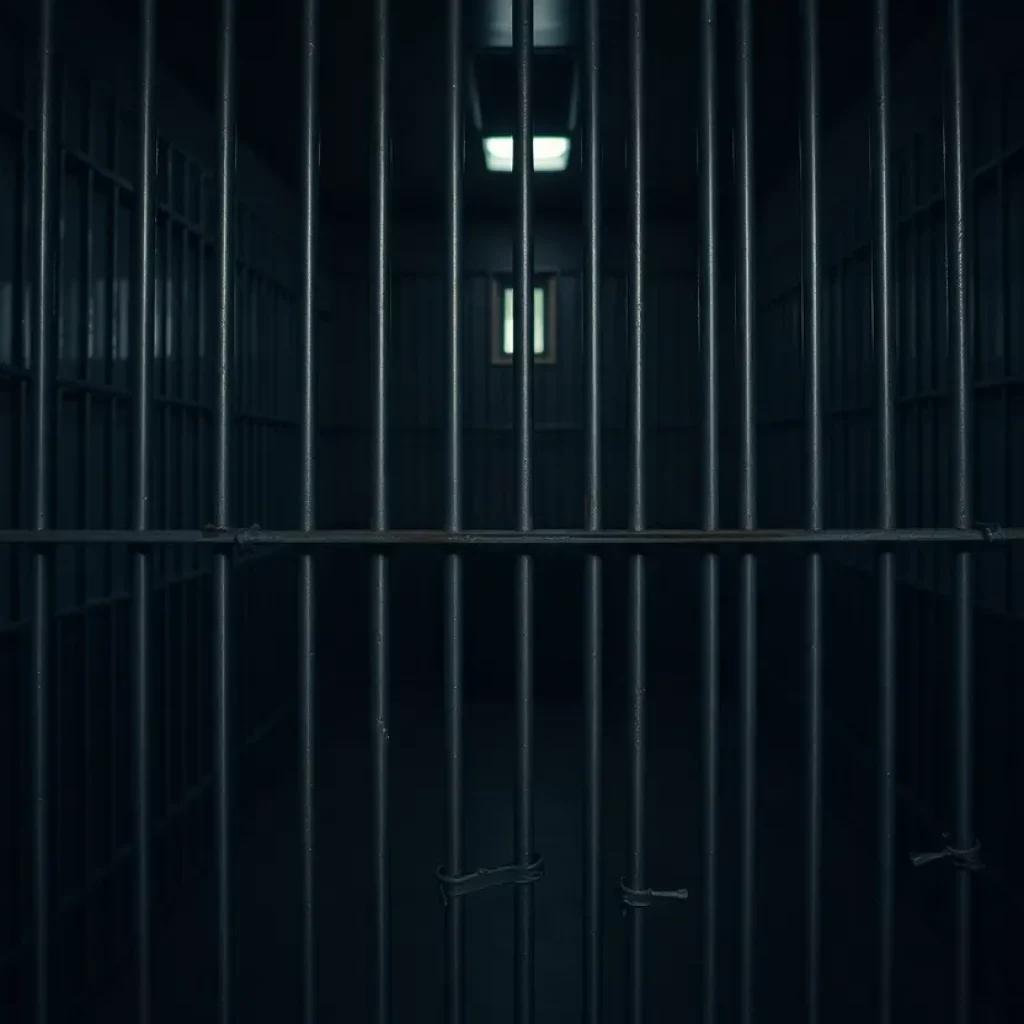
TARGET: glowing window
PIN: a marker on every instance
(504, 339)
(508, 322)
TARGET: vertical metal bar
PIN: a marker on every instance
(454, 693)
(190, 555)
(58, 693)
(111, 511)
(87, 484)
(708, 299)
(266, 341)
(202, 666)
(249, 376)
(745, 329)
(379, 599)
(185, 561)
(143, 330)
(637, 577)
(885, 355)
(961, 378)
(593, 713)
(1006, 368)
(240, 366)
(222, 498)
(912, 297)
(258, 411)
(22, 312)
(310, 144)
(237, 395)
(522, 155)
(167, 558)
(814, 454)
(42, 394)
(259, 400)
(310, 174)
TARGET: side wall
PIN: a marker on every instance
(924, 420)
(94, 175)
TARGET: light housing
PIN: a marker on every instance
(550, 153)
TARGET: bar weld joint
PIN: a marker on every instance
(639, 899)
(968, 859)
(992, 532)
(244, 536)
(489, 878)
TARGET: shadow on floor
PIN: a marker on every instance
(267, 879)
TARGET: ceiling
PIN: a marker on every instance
(268, 49)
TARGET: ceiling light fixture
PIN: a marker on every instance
(550, 153)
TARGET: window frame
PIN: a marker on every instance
(548, 280)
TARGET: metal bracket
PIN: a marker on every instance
(638, 899)
(963, 860)
(489, 878)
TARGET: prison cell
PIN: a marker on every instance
(509, 510)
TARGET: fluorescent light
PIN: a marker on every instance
(550, 153)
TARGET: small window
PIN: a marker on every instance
(503, 302)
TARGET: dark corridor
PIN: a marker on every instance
(355, 665)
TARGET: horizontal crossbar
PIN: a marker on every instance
(585, 540)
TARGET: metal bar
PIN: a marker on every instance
(454, 640)
(379, 596)
(237, 480)
(745, 329)
(21, 512)
(708, 306)
(111, 510)
(142, 439)
(1007, 405)
(202, 667)
(593, 713)
(260, 356)
(54, 413)
(568, 540)
(187, 679)
(307, 610)
(523, 940)
(185, 639)
(636, 858)
(42, 425)
(886, 402)
(166, 561)
(86, 491)
(266, 403)
(961, 382)
(59, 443)
(222, 505)
(246, 334)
(280, 337)
(811, 287)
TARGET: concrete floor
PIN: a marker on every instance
(267, 879)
